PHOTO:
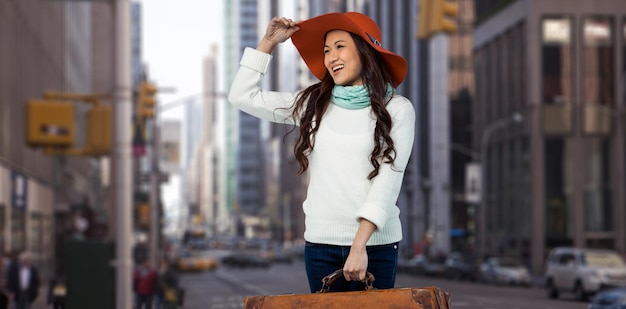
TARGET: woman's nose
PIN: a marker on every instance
(332, 56)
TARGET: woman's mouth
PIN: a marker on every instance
(336, 69)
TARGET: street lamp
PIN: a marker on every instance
(484, 141)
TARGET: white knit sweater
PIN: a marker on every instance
(339, 193)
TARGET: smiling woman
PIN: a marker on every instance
(341, 58)
(355, 138)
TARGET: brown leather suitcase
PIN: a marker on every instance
(401, 298)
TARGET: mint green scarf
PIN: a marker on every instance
(354, 97)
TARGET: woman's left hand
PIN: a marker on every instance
(356, 265)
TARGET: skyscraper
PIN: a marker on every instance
(557, 179)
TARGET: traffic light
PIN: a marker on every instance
(423, 26)
(49, 123)
(436, 16)
(143, 214)
(444, 12)
(146, 101)
(99, 129)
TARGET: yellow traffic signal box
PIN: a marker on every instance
(49, 123)
(443, 14)
(423, 19)
(143, 214)
(146, 100)
(436, 16)
(99, 129)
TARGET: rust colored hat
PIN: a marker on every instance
(309, 41)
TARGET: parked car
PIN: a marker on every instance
(405, 265)
(281, 255)
(423, 266)
(196, 261)
(583, 271)
(198, 243)
(461, 267)
(244, 260)
(609, 299)
(504, 270)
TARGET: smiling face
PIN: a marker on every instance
(341, 58)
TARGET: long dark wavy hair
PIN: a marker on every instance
(313, 101)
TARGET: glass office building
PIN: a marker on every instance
(558, 177)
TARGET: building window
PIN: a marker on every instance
(557, 68)
(523, 188)
(2, 229)
(598, 200)
(558, 191)
(499, 101)
(598, 75)
(519, 72)
(35, 238)
(18, 229)
(598, 61)
(492, 79)
(623, 75)
(557, 60)
(479, 106)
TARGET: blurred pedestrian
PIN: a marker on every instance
(23, 282)
(57, 289)
(355, 138)
(4, 270)
(4, 295)
(7, 260)
(144, 280)
(167, 289)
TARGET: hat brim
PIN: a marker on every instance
(309, 41)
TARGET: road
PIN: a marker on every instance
(227, 288)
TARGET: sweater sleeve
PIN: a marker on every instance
(246, 94)
(385, 188)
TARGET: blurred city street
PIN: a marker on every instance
(226, 288)
(122, 156)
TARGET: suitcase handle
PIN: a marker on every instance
(330, 279)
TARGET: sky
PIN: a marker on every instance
(176, 35)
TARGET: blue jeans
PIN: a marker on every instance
(321, 260)
(22, 304)
(144, 302)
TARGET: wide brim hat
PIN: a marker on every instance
(309, 41)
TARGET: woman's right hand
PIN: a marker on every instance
(278, 31)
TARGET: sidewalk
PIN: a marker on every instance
(42, 300)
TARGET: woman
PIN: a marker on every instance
(356, 136)
(167, 287)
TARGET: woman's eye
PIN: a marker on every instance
(326, 51)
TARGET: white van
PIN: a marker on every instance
(583, 271)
